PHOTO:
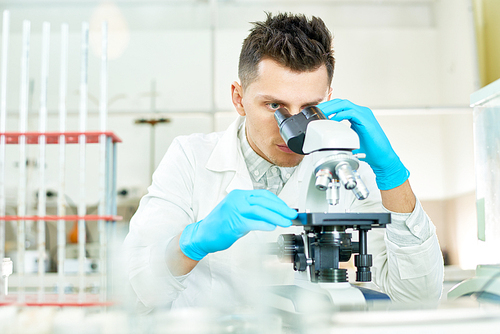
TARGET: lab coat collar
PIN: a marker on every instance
(226, 155)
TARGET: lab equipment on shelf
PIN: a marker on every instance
(87, 287)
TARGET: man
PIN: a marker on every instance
(216, 197)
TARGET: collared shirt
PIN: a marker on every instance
(264, 174)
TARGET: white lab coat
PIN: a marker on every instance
(196, 173)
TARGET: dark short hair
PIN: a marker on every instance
(292, 40)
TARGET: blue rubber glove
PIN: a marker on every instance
(240, 212)
(389, 170)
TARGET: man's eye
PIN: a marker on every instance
(274, 105)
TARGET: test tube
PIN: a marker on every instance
(102, 161)
(61, 203)
(23, 123)
(3, 127)
(81, 142)
(41, 160)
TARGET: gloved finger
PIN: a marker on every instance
(359, 150)
(339, 110)
(334, 106)
(267, 199)
(263, 197)
(258, 225)
(260, 213)
(348, 114)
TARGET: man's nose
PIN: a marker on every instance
(294, 111)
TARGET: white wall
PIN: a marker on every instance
(409, 61)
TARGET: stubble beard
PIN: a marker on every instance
(275, 157)
(285, 163)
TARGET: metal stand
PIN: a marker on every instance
(321, 285)
(324, 244)
(107, 176)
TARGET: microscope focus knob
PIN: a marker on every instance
(287, 247)
(363, 262)
(300, 262)
(364, 276)
(291, 249)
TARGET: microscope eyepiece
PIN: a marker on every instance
(281, 115)
(293, 128)
(313, 113)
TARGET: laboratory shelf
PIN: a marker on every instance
(91, 137)
(69, 217)
(53, 300)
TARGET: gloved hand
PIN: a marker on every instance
(389, 170)
(240, 212)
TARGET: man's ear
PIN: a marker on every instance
(237, 97)
(329, 96)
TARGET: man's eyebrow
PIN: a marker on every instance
(276, 100)
(270, 98)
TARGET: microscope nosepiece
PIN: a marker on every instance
(346, 175)
(360, 191)
(323, 179)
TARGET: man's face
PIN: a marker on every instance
(277, 87)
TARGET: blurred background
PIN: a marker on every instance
(171, 63)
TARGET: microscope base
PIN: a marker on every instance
(344, 294)
(307, 297)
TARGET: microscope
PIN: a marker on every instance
(331, 172)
